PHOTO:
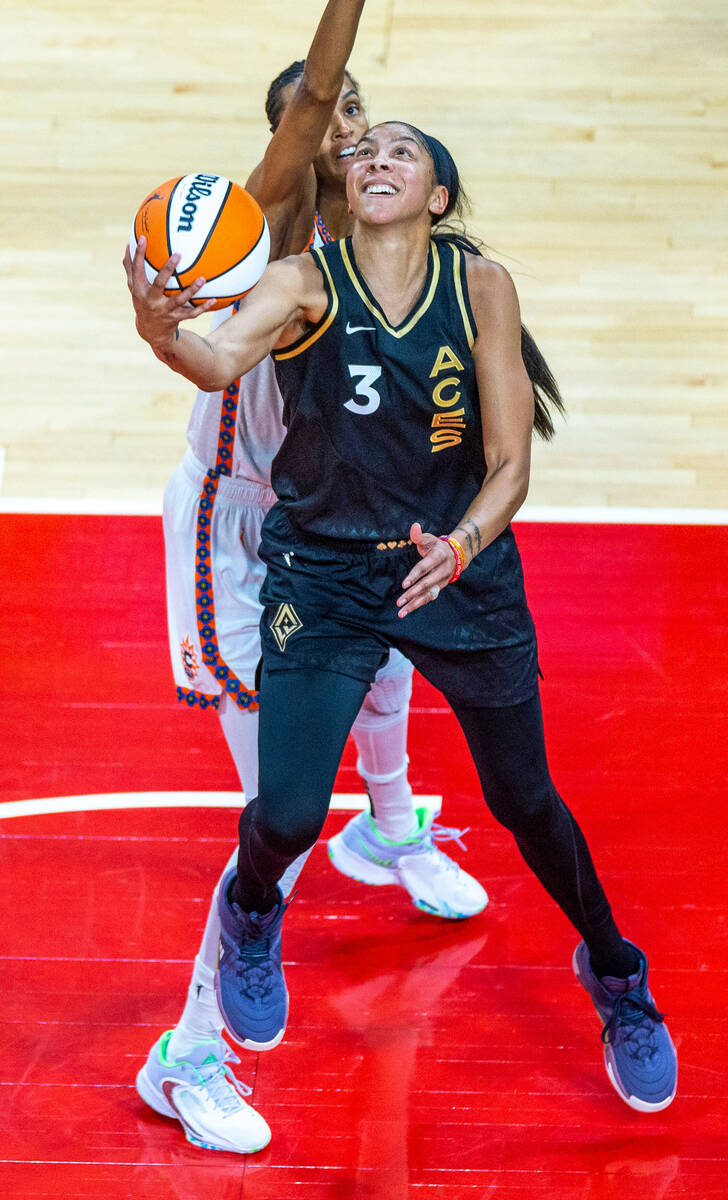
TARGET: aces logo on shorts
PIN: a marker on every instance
(189, 658)
(285, 622)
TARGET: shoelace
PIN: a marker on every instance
(630, 1010)
(256, 968)
(254, 962)
(224, 1089)
(442, 833)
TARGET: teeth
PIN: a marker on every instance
(380, 189)
(348, 152)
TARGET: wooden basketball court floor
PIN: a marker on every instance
(423, 1058)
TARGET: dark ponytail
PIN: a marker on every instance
(546, 394)
(273, 105)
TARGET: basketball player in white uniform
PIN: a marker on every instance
(214, 506)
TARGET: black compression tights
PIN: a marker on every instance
(508, 748)
(305, 717)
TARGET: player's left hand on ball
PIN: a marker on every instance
(157, 315)
(428, 577)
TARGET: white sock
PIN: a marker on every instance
(290, 876)
(392, 805)
(380, 733)
(207, 954)
(201, 1018)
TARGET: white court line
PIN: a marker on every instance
(129, 506)
(143, 506)
(340, 802)
(585, 515)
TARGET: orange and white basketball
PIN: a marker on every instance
(217, 228)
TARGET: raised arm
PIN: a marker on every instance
(506, 406)
(280, 181)
(289, 296)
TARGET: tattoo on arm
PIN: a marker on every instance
(476, 530)
(472, 538)
(169, 354)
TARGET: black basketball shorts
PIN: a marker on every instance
(332, 607)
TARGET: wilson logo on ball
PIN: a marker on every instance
(199, 187)
(216, 227)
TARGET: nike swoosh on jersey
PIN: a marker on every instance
(359, 328)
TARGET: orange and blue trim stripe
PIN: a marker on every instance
(244, 697)
(320, 229)
(190, 697)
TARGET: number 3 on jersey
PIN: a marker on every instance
(364, 388)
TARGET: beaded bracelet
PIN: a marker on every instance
(459, 557)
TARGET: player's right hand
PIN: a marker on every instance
(158, 316)
(429, 576)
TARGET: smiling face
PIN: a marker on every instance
(347, 124)
(391, 177)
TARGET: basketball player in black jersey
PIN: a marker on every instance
(316, 117)
(410, 415)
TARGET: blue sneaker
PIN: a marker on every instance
(639, 1055)
(249, 982)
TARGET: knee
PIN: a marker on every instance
(286, 829)
(389, 695)
(525, 808)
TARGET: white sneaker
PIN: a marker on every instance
(435, 882)
(202, 1093)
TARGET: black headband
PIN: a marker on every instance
(446, 173)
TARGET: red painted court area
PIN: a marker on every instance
(423, 1058)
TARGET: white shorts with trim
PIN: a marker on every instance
(211, 538)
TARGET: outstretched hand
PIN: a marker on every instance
(157, 315)
(428, 577)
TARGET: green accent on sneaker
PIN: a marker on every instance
(169, 1062)
(164, 1042)
(423, 815)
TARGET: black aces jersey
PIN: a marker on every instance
(383, 422)
(384, 429)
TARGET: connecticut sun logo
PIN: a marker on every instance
(189, 658)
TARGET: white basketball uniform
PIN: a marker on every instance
(214, 506)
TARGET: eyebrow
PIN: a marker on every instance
(351, 92)
(405, 137)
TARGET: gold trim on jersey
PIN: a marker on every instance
(457, 266)
(309, 339)
(377, 312)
